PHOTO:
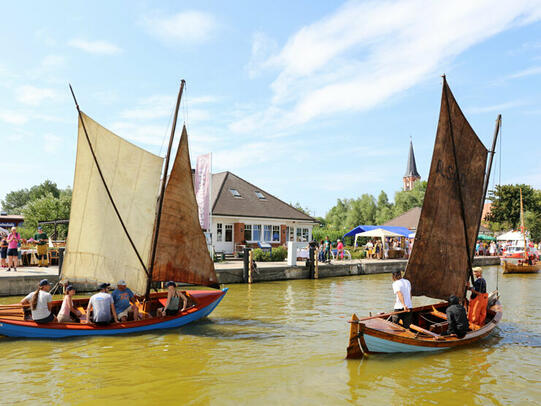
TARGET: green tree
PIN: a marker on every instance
(384, 211)
(47, 208)
(336, 216)
(15, 201)
(532, 223)
(506, 204)
(299, 207)
(406, 200)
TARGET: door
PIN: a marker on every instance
(224, 238)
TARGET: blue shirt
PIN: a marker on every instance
(121, 299)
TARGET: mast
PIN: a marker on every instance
(522, 228)
(162, 191)
(487, 176)
(105, 185)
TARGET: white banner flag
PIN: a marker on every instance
(202, 189)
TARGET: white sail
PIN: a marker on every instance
(97, 248)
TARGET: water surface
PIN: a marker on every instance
(284, 343)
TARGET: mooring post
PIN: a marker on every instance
(316, 270)
(311, 252)
(246, 260)
(250, 267)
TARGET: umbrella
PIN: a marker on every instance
(485, 237)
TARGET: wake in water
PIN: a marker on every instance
(514, 334)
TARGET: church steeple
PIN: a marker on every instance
(411, 175)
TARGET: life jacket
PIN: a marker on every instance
(477, 311)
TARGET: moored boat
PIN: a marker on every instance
(508, 268)
(441, 260)
(127, 225)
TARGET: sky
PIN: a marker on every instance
(309, 100)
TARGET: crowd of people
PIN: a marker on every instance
(376, 249)
(103, 308)
(10, 249)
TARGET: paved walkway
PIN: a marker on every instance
(30, 271)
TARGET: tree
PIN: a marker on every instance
(532, 222)
(408, 199)
(298, 206)
(384, 211)
(336, 216)
(506, 204)
(15, 201)
(47, 208)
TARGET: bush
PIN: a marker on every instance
(260, 255)
(279, 254)
(359, 253)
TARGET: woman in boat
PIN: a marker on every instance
(40, 302)
(64, 315)
(173, 301)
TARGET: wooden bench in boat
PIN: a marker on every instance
(443, 316)
(427, 332)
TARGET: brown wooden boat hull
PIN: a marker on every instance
(512, 268)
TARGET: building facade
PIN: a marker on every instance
(244, 215)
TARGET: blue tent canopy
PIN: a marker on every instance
(361, 229)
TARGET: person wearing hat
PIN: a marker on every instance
(173, 301)
(41, 246)
(40, 302)
(479, 285)
(124, 300)
(101, 308)
(457, 318)
(67, 309)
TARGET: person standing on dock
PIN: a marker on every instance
(402, 290)
(327, 245)
(41, 240)
(13, 240)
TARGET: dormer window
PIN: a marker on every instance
(260, 195)
(235, 193)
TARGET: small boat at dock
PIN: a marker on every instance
(441, 260)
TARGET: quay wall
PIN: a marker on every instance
(349, 268)
(18, 285)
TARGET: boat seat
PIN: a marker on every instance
(443, 316)
(424, 331)
(82, 310)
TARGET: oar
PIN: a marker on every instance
(379, 316)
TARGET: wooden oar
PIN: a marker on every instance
(379, 316)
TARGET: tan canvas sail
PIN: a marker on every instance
(439, 263)
(98, 249)
(181, 251)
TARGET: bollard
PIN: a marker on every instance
(250, 267)
(316, 271)
(246, 260)
(311, 261)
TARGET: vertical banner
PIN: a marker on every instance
(202, 189)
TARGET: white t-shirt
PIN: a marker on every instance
(404, 286)
(41, 311)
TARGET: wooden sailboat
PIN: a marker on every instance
(125, 225)
(523, 266)
(441, 260)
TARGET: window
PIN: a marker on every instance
(276, 233)
(290, 233)
(305, 235)
(260, 195)
(228, 232)
(256, 232)
(219, 232)
(299, 234)
(248, 232)
(267, 233)
(235, 193)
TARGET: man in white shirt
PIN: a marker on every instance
(402, 290)
(102, 307)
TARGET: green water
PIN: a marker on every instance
(283, 343)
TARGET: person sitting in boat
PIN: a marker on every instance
(457, 318)
(124, 300)
(479, 285)
(402, 290)
(40, 302)
(101, 308)
(173, 300)
(67, 309)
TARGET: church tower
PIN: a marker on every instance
(411, 175)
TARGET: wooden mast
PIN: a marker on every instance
(162, 191)
(522, 228)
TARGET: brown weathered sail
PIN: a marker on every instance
(182, 254)
(446, 233)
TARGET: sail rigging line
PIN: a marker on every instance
(162, 191)
(458, 177)
(105, 185)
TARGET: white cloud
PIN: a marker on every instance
(95, 47)
(51, 143)
(34, 96)
(496, 107)
(53, 61)
(187, 27)
(535, 70)
(153, 135)
(13, 117)
(366, 52)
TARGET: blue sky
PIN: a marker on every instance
(310, 100)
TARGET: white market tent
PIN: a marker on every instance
(4, 231)
(378, 233)
(511, 236)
